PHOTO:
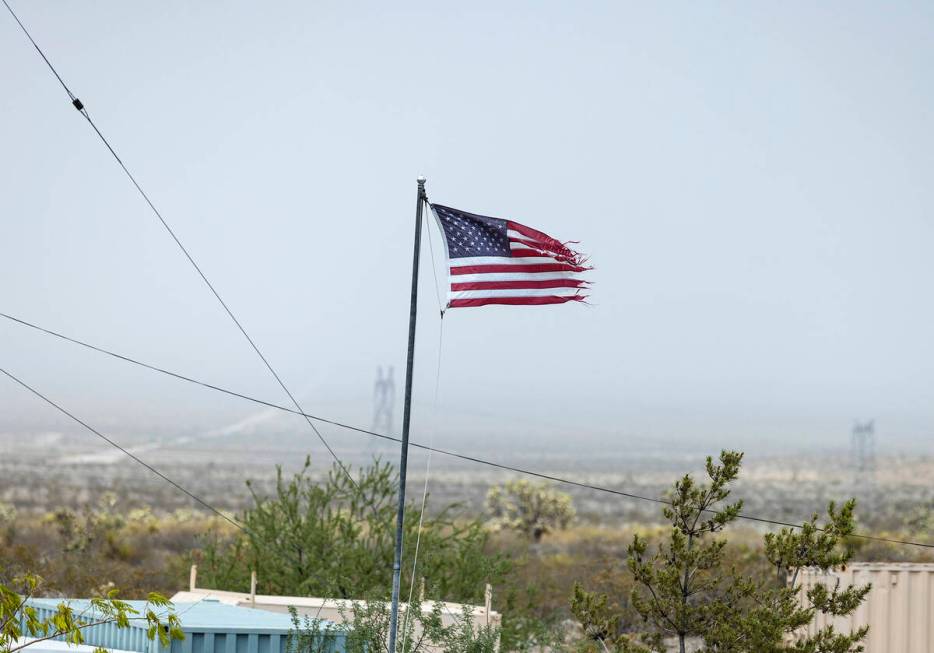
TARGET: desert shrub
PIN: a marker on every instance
(530, 508)
(84, 553)
(335, 538)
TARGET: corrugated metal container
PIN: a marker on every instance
(899, 609)
(209, 626)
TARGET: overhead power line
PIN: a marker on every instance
(242, 527)
(79, 105)
(424, 447)
(125, 451)
(84, 112)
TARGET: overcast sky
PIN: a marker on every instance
(752, 181)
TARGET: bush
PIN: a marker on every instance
(335, 539)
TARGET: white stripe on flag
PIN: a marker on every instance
(513, 276)
(531, 292)
(502, 260)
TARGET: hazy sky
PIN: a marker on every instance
(752, 181)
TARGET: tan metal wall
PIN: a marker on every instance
(899, 609)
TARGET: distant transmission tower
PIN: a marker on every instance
(384, 398)
(863, 452)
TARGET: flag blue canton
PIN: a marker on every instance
(468, 234)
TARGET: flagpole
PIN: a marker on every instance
(406, 420)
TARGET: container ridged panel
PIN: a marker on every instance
(208, 628)
(899, 609)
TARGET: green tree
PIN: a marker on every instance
(679, 583)
(530, 508)
(767, 616)
(335, 538)
(685, 590)
(19, 619)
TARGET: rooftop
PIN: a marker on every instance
(202, 613)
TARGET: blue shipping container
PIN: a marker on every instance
(209, 626)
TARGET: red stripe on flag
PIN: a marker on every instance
(520, 253)
(518, 285)
(492, 269)
(543, 242)
(529, 243)
(528, 232)
(515, 301)
(515, 253)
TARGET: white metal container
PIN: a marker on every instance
(899, 609)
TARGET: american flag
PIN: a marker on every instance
(496, 261)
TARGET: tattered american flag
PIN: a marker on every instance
(496, 261)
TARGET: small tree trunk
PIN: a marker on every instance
(684, 597)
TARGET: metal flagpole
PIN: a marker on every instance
(406, 419)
